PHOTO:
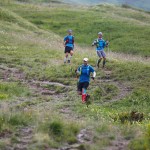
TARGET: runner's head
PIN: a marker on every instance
(100, 34)
(69, 31)
(85, 61)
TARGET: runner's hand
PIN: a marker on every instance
(107, 43)
(93, 78)
(76, 71)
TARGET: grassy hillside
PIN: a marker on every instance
(127, 29)
(39, 105)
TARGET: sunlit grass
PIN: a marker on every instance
(10, 90)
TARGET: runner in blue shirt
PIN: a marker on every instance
(100, 44)
(69, 46)
(84, 72)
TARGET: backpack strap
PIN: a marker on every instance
(68, 41)
(97, 43)
(88, 68)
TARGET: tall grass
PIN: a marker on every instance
(12, 90)
(10, 120)
(59, 130)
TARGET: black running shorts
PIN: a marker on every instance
(82, 85)
(68, 49)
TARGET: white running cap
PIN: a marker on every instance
(85, 59)
(100, 33)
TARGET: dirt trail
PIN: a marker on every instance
(85, 135)
(118, 144)
(24, 138)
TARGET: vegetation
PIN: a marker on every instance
(38, 96)
(134, 25)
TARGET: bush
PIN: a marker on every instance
(60, 131)
(56, 128)
(130, 117)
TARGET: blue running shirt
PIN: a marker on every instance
(69, 39)
(85, 72)
(100, 44)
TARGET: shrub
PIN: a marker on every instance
(56, 128)
(60, 131)
(130, 117)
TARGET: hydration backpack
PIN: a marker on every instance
(69, 41)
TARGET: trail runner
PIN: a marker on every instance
(69, 46)
(100, 44)
(84, 72)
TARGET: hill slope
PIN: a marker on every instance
(39, 105)
(123, 27)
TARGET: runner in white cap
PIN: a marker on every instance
(84, 72)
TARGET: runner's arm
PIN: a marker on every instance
(94, 75)
(93, 72)
(94, 43)
(78, 71)
(64, 42)
(106, 43)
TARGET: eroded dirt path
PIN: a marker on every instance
(24, 138)
(118, 144)
(37, 88)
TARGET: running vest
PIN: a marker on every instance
(69, 40)
(87, 71)
(100, 44)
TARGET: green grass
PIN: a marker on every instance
(29, 46)
(139, 143)
(124, 28)
(11, 120)
(12, 90)
(104, 92)
(59, 130)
